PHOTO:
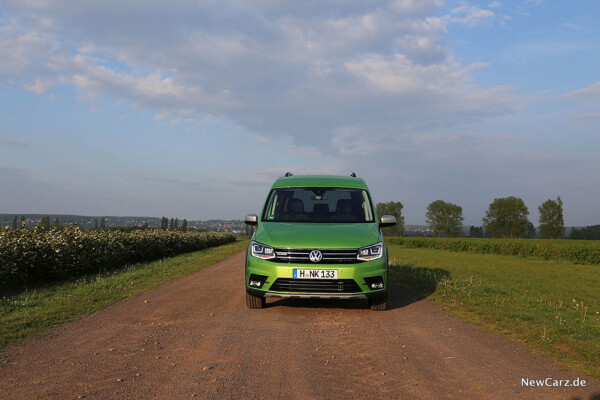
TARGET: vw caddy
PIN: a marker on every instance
(318, 237)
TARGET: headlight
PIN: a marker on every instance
(370, 253)
(259, 250)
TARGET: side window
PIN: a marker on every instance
(272, 206)
(367, 207)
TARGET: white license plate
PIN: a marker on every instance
(315, 273)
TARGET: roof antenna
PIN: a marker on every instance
(288, 174)
(353, 175)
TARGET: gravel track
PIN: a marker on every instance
(195, 338)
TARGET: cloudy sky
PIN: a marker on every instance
(191, 109)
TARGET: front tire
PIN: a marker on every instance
(255, 302)
(378, 303)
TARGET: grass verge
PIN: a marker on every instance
(33, 312)
(577, 251)
(552, 305)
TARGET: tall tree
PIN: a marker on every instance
(164, 223)
(44, 223)
(531, 233)
(392, 208)
(102, 224)
(552, 225)
(445, 219)
(14, 223)
(476, 232)
(96, 224)
(184, 225)
(171, 227)
(506, 217)
(176, 224)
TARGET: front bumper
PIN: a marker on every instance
(328, 296)
(356, 272)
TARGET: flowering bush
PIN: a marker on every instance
(29, 256)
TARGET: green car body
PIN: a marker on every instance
(281, 251)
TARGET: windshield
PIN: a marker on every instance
(318, 204)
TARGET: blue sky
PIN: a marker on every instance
(191, 109)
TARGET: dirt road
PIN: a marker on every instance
(194, 337)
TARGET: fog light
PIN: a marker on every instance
(375, 282)
(257, 281)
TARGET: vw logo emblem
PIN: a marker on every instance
(315, 256)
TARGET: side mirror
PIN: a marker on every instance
(387, 221)
(252, 219)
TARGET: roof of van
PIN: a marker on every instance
(320, 181)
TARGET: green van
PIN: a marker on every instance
(318, 237)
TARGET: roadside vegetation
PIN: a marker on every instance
(35, 311)
(577, 251)
(553, 305)
(42, 255)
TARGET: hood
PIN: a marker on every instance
(309, 235)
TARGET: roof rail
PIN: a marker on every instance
(353, 175)
(288, 174)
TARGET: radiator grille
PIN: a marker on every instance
(330, 256)
(315, 285)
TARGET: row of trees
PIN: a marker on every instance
(174, 225)
(587, 233)
(505, 217)
(44, 223)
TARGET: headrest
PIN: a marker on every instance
(297, 206)
(321, 208)
(343, 206)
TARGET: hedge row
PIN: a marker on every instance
(31, 256)
(577, 251)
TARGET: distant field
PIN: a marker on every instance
(553, 305)
(577, 251)
(32, 312)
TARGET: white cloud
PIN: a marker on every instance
(587, 117)
(307, 70)
(417, 7)
(183, 183)
(570, 25)
(472, 15)
(12, 142)
(39, 86)
(590, 92)
(267, 176)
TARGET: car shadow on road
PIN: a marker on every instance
(593, 396)
(407, 284)
(318, 303)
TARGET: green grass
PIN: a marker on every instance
(577, 251)
(552, 305)
(33, 312)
